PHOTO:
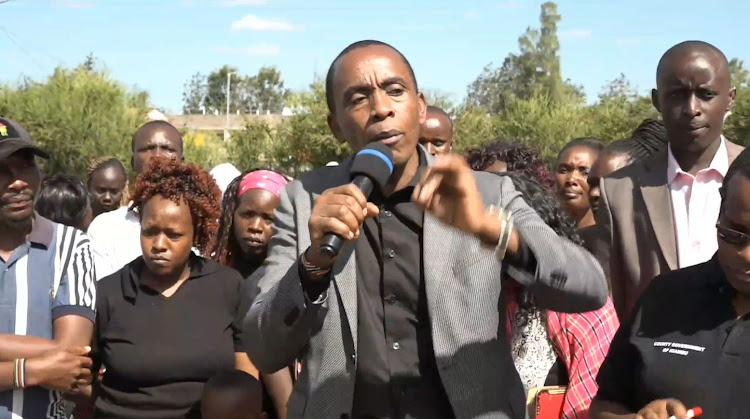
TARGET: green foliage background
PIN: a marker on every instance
(81, 113)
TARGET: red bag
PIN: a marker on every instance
(546, 402)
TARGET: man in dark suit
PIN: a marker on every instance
(405, 322)
(652, 213)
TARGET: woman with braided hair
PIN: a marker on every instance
(246, 220)
(648, 138)
(169, 320)
(510, 156)
(245, 229)
(107, 184)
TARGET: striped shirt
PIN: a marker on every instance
(49, 276)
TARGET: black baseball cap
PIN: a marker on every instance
(13, 137)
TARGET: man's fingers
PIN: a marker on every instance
(343, 214)
(349, 190)
(676, 408)
(331, 225)
(428, 187)
(79, 350)
(85, 362)
(372, 210)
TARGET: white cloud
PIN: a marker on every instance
(73, 4)
(575, 34)
(233, 3)
(258, 49)
(254, 23)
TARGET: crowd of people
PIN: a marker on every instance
(613, 283)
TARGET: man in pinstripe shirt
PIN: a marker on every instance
(47, 293)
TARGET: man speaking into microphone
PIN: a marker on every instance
(404, 320)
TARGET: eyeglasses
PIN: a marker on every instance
(733, 237)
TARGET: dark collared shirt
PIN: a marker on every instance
(160, 351)
(397, 375)
(683, 341)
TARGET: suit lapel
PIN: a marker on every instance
(345, 278)
(656, 196)
(345, 268)
(437, 260)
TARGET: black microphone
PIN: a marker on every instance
(372, 166)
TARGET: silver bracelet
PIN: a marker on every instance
(506, 232)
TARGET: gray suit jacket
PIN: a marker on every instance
(637, 235)
(462, 279)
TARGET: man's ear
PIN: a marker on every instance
(732, 97)
(422, 108)
(333, 124)
(655, 99)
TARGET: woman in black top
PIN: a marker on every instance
(170, 320)
(687, 342)
(244, 232)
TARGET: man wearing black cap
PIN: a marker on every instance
(47, 293)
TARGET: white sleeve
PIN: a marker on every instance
(101, 249)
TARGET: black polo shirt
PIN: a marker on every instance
(160, 351)
(684, 341)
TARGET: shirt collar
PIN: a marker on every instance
(423, 163)
(42, 232)
(131, 274)
(720, 162)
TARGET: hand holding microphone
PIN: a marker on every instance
(339, 212)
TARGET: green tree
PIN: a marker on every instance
(439, 99)
(265, 91)
(76, 115)
(534, 71)
(215, 98)
(193, 97)
(619, 110)
(737, 125)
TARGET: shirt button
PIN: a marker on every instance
(391, 299)
(387, 214)
(391, 253)
(396, 346)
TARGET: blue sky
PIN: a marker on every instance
(157, 45)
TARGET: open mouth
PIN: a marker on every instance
(389, 137)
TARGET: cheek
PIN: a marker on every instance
(268, 231)
(560, 179)
(585, 186)
(239, 226)
(145, 244)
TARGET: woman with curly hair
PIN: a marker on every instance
(169, 320)
(510, 156)
(551, 348)
(245, 229)
(107, 184)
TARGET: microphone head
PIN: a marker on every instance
(374, 161)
